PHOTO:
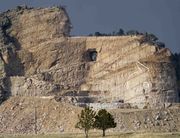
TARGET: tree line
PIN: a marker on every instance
(147, 37)
(89, 119)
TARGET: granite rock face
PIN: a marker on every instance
(38, 58)
(21, 30)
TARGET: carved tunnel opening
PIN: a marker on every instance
(91, 55)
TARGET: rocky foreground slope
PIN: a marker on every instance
(39, 60)
(22, 115)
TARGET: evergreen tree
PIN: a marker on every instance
(132, 32)
(160, 44)
(97, 34)
(151, 37)
(86, 120)
(104, 120)
(120, 32)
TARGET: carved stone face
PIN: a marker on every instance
(39, 25)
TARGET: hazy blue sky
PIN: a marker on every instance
(161, 17)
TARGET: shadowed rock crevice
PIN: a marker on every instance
(12, 65)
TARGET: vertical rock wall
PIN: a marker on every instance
(20, 30)
(39, 59)
(130, 72)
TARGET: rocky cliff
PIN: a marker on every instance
(38, 58)
(22, 30)
(41, 63)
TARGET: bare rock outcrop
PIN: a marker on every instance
(38, 58)
(43, 70)
(21, 30)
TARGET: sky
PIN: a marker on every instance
(160, 17)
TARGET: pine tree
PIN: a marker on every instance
(104, 120)
(120, 32)
(86, 120)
